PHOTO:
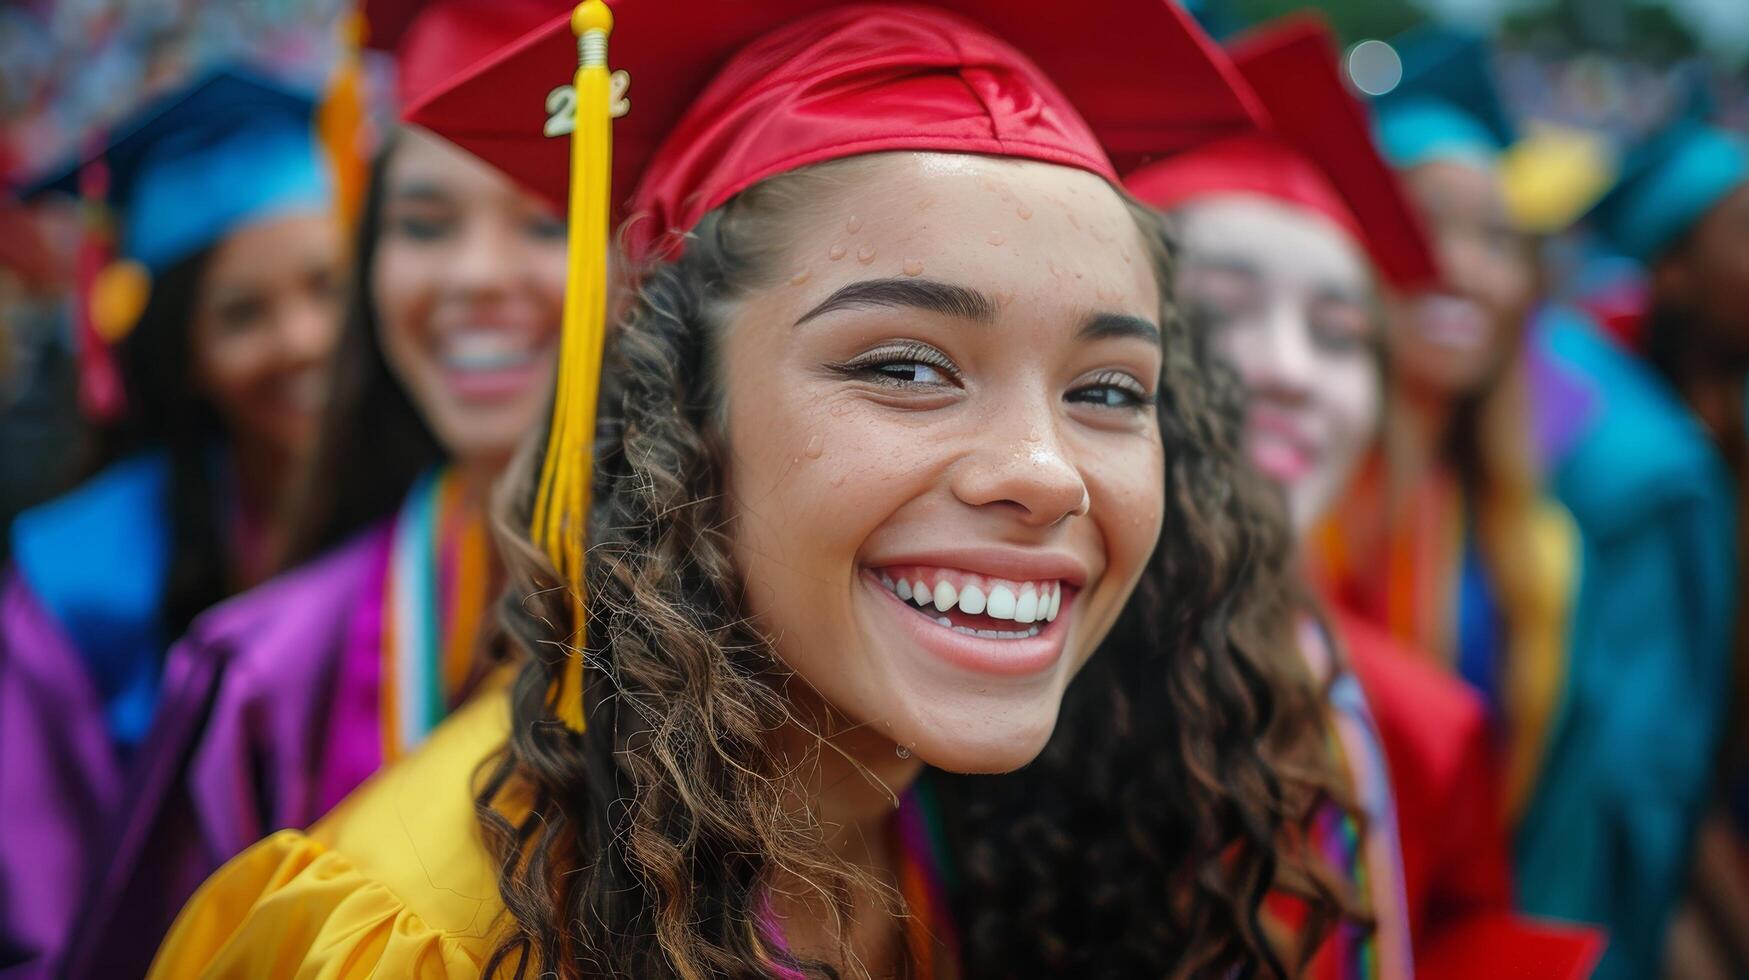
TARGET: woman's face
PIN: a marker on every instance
(1453, 343)
(945, 464)
(468, 287)
(1704, 276)
(1290, 298)
(265, 321)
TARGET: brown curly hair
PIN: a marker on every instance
(1141, 842)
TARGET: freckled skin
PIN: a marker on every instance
(952, 466)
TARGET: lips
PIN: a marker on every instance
(493, 362)
(1005, 625)
(1277, 447)
(1452, 322)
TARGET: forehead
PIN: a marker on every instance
(423, 158)
(1276, 238)
(1454, 186)
(1055, 237)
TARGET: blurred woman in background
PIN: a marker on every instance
(1292, 241)
(283, 699)
(228, 293)
(1456, 543)
(1681, 209)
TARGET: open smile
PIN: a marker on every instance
(978, 622)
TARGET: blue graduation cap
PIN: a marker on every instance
(197, 164)
(1447, 105)
(1669, 182)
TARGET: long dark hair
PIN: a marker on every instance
(373, 443)
(650, 842)
(167, 413)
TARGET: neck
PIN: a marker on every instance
(1425, 420)
(852, 781)
(261, 472)
(477, 477)
(1717, 400)
(1709, 374)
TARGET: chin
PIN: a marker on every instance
(972, 748)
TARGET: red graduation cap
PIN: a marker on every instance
(1318, 152)
(728, 93)
(434, 41)
(741, 90)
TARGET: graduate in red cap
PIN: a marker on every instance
(1293, 238)
(281, 701)
(896, 428)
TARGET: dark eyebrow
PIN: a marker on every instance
(917, 294)
(1100, 326)
(1230, 264)
(419, 190)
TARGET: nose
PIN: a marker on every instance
(1283, 364)
(483, 263)
(1464, 261)
(1022, 464)
(309, 330)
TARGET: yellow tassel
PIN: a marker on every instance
(561, 510)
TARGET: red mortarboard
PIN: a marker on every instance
(1318, 153)
(435, 41)
(1105, 87)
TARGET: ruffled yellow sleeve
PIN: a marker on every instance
(396, 882)
(290, 907)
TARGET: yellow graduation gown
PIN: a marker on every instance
(396, 881)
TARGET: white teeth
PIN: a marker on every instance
(972, 600)
(485, 350)
(946, 596)
(1001, 603)
(944, 621)
(1024, 604)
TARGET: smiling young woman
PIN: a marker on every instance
(898, 429)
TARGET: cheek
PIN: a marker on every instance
(221, 362)
(1352, 395)
(547, 266)
(811, 479)
(1128, 490)
(402, 287)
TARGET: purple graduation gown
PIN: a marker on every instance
(60, 782)
(257, 699)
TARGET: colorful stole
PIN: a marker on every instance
(1425, 579)
(433, 601)
(925, 880)
(1370, 856)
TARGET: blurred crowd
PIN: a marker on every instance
(283, 299)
